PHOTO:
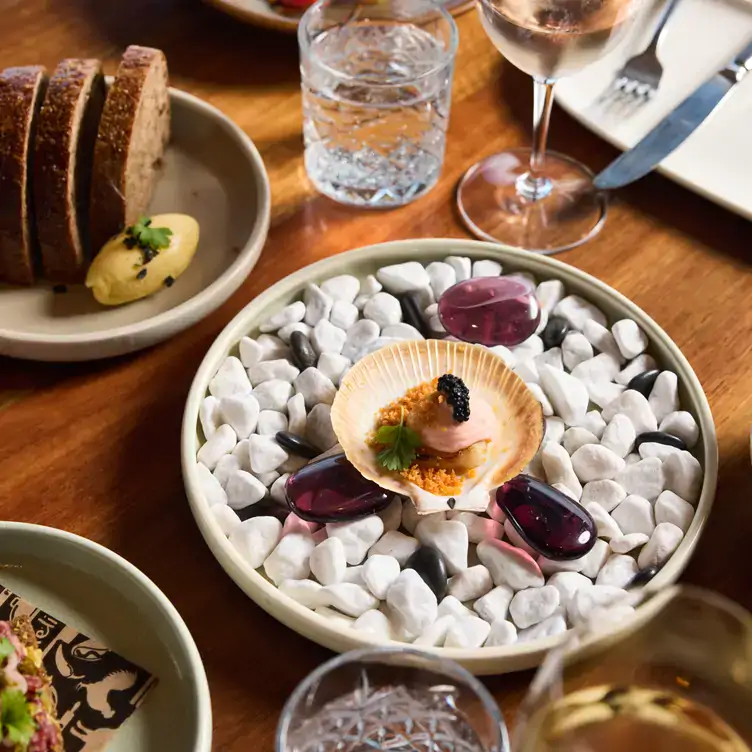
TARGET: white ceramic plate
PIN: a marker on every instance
(700, 38)
(212, 171)
(101, 595)
(366, 261)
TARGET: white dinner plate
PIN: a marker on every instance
(699, 39)
(212, 171)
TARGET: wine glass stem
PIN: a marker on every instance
(534, 185)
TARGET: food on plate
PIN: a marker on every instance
(143, 259)
(21, 92)
(27, 707)
(133, 133)
(64, 148)
(453, 422)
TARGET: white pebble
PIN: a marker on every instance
(244, 489)
(449, 538)
(328, 562)
(265, 454)
(290, 560)
(354, 575)
(602, 340)
(360, 334)
(306, 592)
(270, 422)
(550, 566)
(277, 491)
(555, 429)
(410, 516)
(631, 339)
(405, 277)
(654, 449)
(528, 349)
(566, 491)
(318, 304)
(370, 286)
(450, 606)
(375, 624)
(639, 365)
(603, 393)
(384, 309)
(644, 478)
(462, 266)
(568, 395)
(330, 615)
(287, 331)
(256, 538)
(251, 351)
(509, 566)
(296, 414)
(379, 572)
(326, 337)
(226, 518)
(211, 488)
(442, 276)
(664, 396)
(505, 354)
(473, 583)
(315, 388)
(588, 599)
(395, 544)
(607, 493)
(576, 437)
(231, 378)
(272, 369)
(554, 625)
(531, 606)
(669, 507)
(272, 347)
(343, 314)
(319, 429)
(344, 287)
(527, 370)
(392, 515)
(357, 536)
(568, 583)
(551, 357)
(635, 515)
(618, 571)
(333, 366)
(478, 528)
(222, 442)
(626, 543)
(607, 526)
(516, 539)
(402, 331)
(663, 542)
(273, 395)
(242, 453)
(295, 524)
(575, 349)
(494, 605)
(502, 633)
(486, 268)
(682, 425)
(268, 479)
(537, 392)
(241, 412)
(435, 635)
(594, 423)
(290, 314)
(683, 474)
(578, 311)
(209, 416)
(549, 293)
(602, 367)
(594, 560)
(619, 435)
(467, 632)
(353, 600)
(377, 344)
(558, 466)
(412, 601)
(596, 462)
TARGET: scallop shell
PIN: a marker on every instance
(385, 375)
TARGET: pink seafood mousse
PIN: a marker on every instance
(446, 435)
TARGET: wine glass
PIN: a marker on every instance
(676, 676)
(530, 198)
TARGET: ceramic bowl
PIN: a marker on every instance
(212, 171)
(366, 261)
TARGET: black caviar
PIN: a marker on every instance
(457, 395)
(169, 281)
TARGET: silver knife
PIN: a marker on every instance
(677, 126)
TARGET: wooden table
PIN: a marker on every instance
(93, 447)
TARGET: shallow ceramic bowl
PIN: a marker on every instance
(212, 171)
(366, 261)
(100, 594)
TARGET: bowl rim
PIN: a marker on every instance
(197, 675)
(212, 296)
(315, 627)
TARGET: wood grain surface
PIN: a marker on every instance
(93, 448)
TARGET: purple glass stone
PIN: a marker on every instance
(332, 490)
(491, 310)
(548, 520)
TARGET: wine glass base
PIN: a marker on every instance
(571, 213)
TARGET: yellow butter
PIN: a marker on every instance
(113, 275)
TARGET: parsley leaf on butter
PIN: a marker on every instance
(149, 239)
(400, 443)
(16, 722)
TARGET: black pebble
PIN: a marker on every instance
(643, 382)
(297, 445)
(429, 564)
(554, 332)
(659, 437)
(264, 508)
(643, 577)
(411, 313)
(303, 354)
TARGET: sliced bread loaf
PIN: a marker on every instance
(133, 133)
(21, 92)
(66, 132)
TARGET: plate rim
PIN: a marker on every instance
(209, 298)
(147, 585)
(494, 660)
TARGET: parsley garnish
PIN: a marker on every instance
(16, 722)
(6, 648)
(149, 239)
(400, 443)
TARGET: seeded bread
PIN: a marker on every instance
(66, 132)
(133, 133)
(21, 92)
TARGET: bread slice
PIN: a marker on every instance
(133, 133)
(21, 92)
(64, 150)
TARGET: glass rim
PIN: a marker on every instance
(447, 58)
(442, 665)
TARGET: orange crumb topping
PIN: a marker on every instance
(435, 480)
(417, 402)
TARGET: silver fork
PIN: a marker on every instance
(641, 74)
